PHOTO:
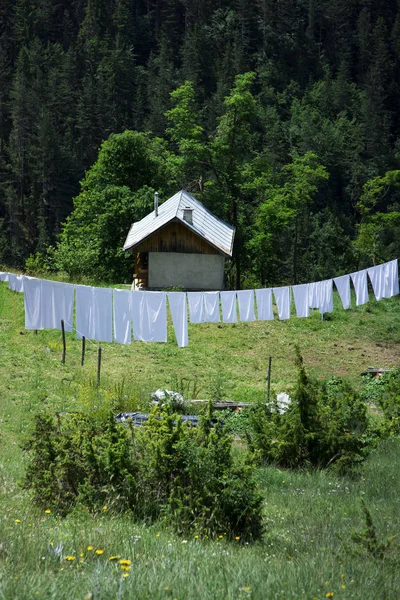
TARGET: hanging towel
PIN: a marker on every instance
(314, 295)
(3, 276)
(33, 303)
(11, 281)
(361, 286)
(343, 287)
(264, 304)
(282, 297)
(19, 283)
(84, 312)
(211, 307)
(122, 316)
(102, 314)
(228, 302)
(149, 315)
(392, 279)
(178, 308)
(246, 305)
(326, 305)
(196, 307)
(378, 280)
(301, 300)
(57, 304)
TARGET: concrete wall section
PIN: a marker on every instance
(189, 271)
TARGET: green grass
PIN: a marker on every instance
(307, 551)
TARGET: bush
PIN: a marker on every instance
(385, 393)
(325, 424)
(167, 469)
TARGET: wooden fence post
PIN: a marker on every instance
(63, 341)
(83, 350)
(269, 378)
(98, 366)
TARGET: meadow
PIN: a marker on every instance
(310, 547)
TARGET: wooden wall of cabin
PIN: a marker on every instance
(175, 237)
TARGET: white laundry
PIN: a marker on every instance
(343, 287)
(33, 303)
(246, 305)
(228, 302)
(361, 286)
(211, 307)
(57, 303)
(378, 279)
(326, 305)
(149, 315)
(282, 297)
(122, 316)
(392, 279)
(3, 276)
(301, 299)
(314, 295)
(196, 307)
(12, 281)
(264, 304)
(178, 308)
(19, 283)
(84, 312)
(102, 314)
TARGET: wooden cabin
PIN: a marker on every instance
(180, 244)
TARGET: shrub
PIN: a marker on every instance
(165, 469)
(325, 424)
(385, 392)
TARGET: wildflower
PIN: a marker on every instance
(245, 588)
(70, 558)
(51, 543)
(47, 511)
(343, 586)
(329, 595)
(114, 558)
(18, 521)
(220, 537)
(90, 548)
(126, 575)
(124, 568)
(184, 541)
(196, 537)
(157, 535)
(124, 562)
(99, 552)
(237, 538)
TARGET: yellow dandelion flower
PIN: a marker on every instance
(47, 511)
(125, 568)
(196, 537)
(157, 535)
(237, 538)
(126, 575)
(114, 558)
(90, 548)
(81, 555)
(70, 558)
(343, 586)
(99, 552)
(51, 543)
(125, 562)
(18, 521)
(220, 537)
(329, 595)
(104, 508)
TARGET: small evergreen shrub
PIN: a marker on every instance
(325, 424)
(165, 469)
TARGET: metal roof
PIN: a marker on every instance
(206, 225)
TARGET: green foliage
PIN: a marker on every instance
(326, 424)
(165, 469)
(384, 392)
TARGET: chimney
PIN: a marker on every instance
(188, 215)
(156, 204)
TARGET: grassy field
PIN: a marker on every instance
(308, 550)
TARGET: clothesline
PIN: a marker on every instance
(106, 314)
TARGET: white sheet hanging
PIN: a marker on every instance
(122, 316)
(196, 307)
(228, 302)
(264, 304)
(378, 280)
(149, 315)
(361, 286)
(178, 308)
(102, 314)
(19, 283)
(12, 278)
(57, 304)
(33, 303)
(343, 287)
(4, 276)
(282, 297)
(211, 307)
(246, 305)
(326, 296)
(392, 279)
(84, 312)
(301, 299)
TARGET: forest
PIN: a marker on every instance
(282, 116)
